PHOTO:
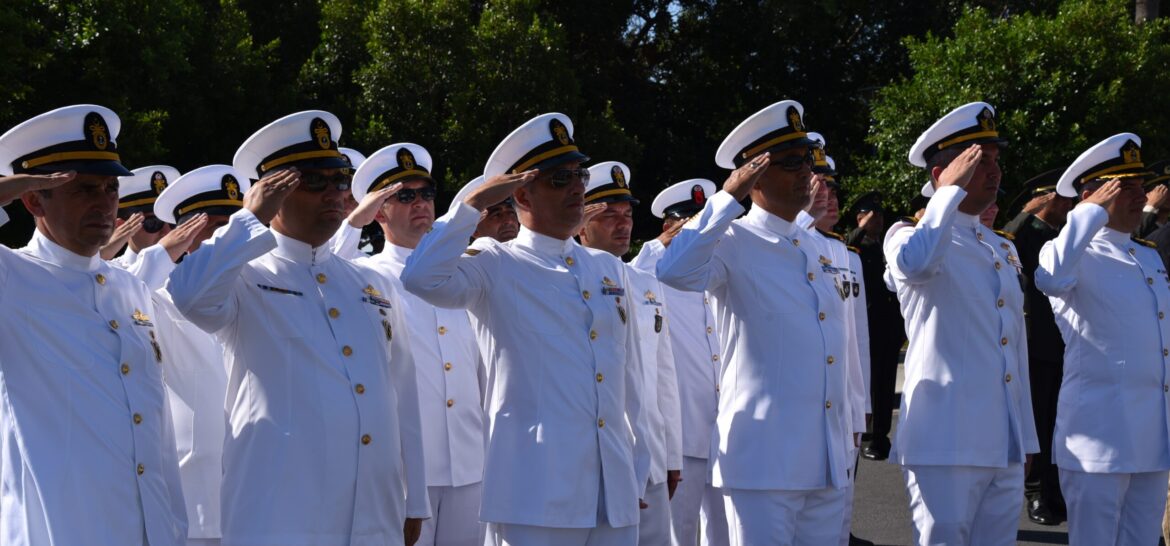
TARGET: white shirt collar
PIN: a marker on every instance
(300, 252)
(966, 220)
(770, 222)
(543, 243)
(41, 247)
(395, 253)
(1119, 238)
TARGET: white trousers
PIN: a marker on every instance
(509, 534)
(454, 517)
(654, 520)
(847, 523)
(697, 505)
(203, 542)
(784, 518)
(1113, 509)
(965, 505)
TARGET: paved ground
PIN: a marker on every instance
(881, 508)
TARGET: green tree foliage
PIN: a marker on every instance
(1059, 84)
(655, 84)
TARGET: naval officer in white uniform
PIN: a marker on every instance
(87, 452)
(324, 444)
(965, 425)
(394, 187)
(1110, 294)
(782, 325)
(610, 230)
(563, 464)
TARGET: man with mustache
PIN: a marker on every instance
(324, 442)
(785, 368)
(88, 454)
(965, 427)
(395, 188)
(566, 463)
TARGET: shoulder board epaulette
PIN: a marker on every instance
(853, 249)
(1004, 234)
(909, 220)
(831, 235)
(472, 251)
(1144, 242)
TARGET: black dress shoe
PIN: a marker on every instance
(1039, 513)
(854, 541)
(876, 451)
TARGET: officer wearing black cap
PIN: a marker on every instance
(1039, 222)
(1161, 236)
(1157, 209)
(886, 334)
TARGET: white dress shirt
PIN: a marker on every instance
(87, 451)
(449, 370)
(660, 382)
(695, 346)
(966, 399)
(564, 373)
(324, 442)
(1110, 295)
(784, 418)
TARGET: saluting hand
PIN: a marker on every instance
(818, 206)
(1036, 204)
(123, 231)
(591, 210)
(498, 188)
(367, 210)
(179, 239)
(11, 187)
(669, 234)
(743, 179)
(1159, 197)
(1106, 194)
(267, 194)
(960, 171)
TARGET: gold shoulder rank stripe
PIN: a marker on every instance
(472, 251)
(832, 235)
(1004, 234)
(909, 220)
(853, 249)
(1144, 242)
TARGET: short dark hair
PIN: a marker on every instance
(942, 158)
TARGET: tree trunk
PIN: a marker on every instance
(1144, 10)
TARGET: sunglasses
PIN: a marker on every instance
(563, 177)
(793, 163)
(316, 182)
(407, 196)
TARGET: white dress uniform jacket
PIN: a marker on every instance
(1111, 301)
(196, 382)
(564, 373)
(323, 442)
(695, 348)
(663, 414)
(783, 331)
(447, 364)
(966, 399)
(87, 452)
